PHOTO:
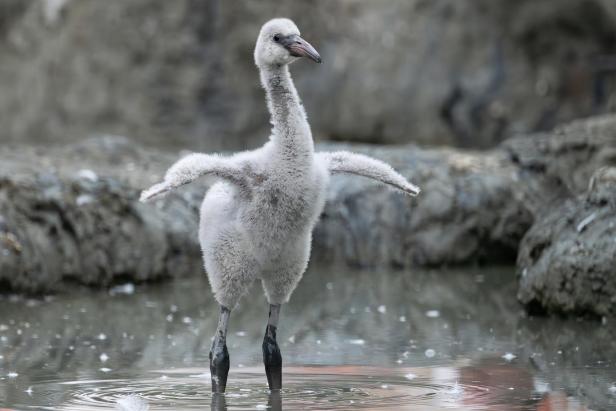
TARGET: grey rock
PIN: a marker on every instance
(567, 260)
(74, 225)
(468, 211)
(475, 207)
(555, 166)
(180, 73)
(73, 214)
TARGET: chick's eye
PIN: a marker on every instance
(276, 38)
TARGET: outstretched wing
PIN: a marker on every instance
(361, 165)
(194, 166)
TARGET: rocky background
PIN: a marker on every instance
(473, 92)
(549, 201)
(180, 73)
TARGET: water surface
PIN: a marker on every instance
(373, 340)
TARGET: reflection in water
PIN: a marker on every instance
(132, 403)
(370, 340)
(219, 402)
(275, 401)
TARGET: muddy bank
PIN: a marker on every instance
(71, 224)
(72, 213)
(475, 207)
(567, 260)
(469, 211)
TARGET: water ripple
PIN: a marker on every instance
(306, 388)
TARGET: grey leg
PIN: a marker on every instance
(272, 359)
(219, 356)
(219, 402)
(274, 401)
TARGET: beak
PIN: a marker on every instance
(298, 47)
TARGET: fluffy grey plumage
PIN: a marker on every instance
(257, 220)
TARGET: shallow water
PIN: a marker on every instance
(350, 339)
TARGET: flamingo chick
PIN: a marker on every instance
(257, 219)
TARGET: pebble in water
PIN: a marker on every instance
(430, 353)
(382, 309)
